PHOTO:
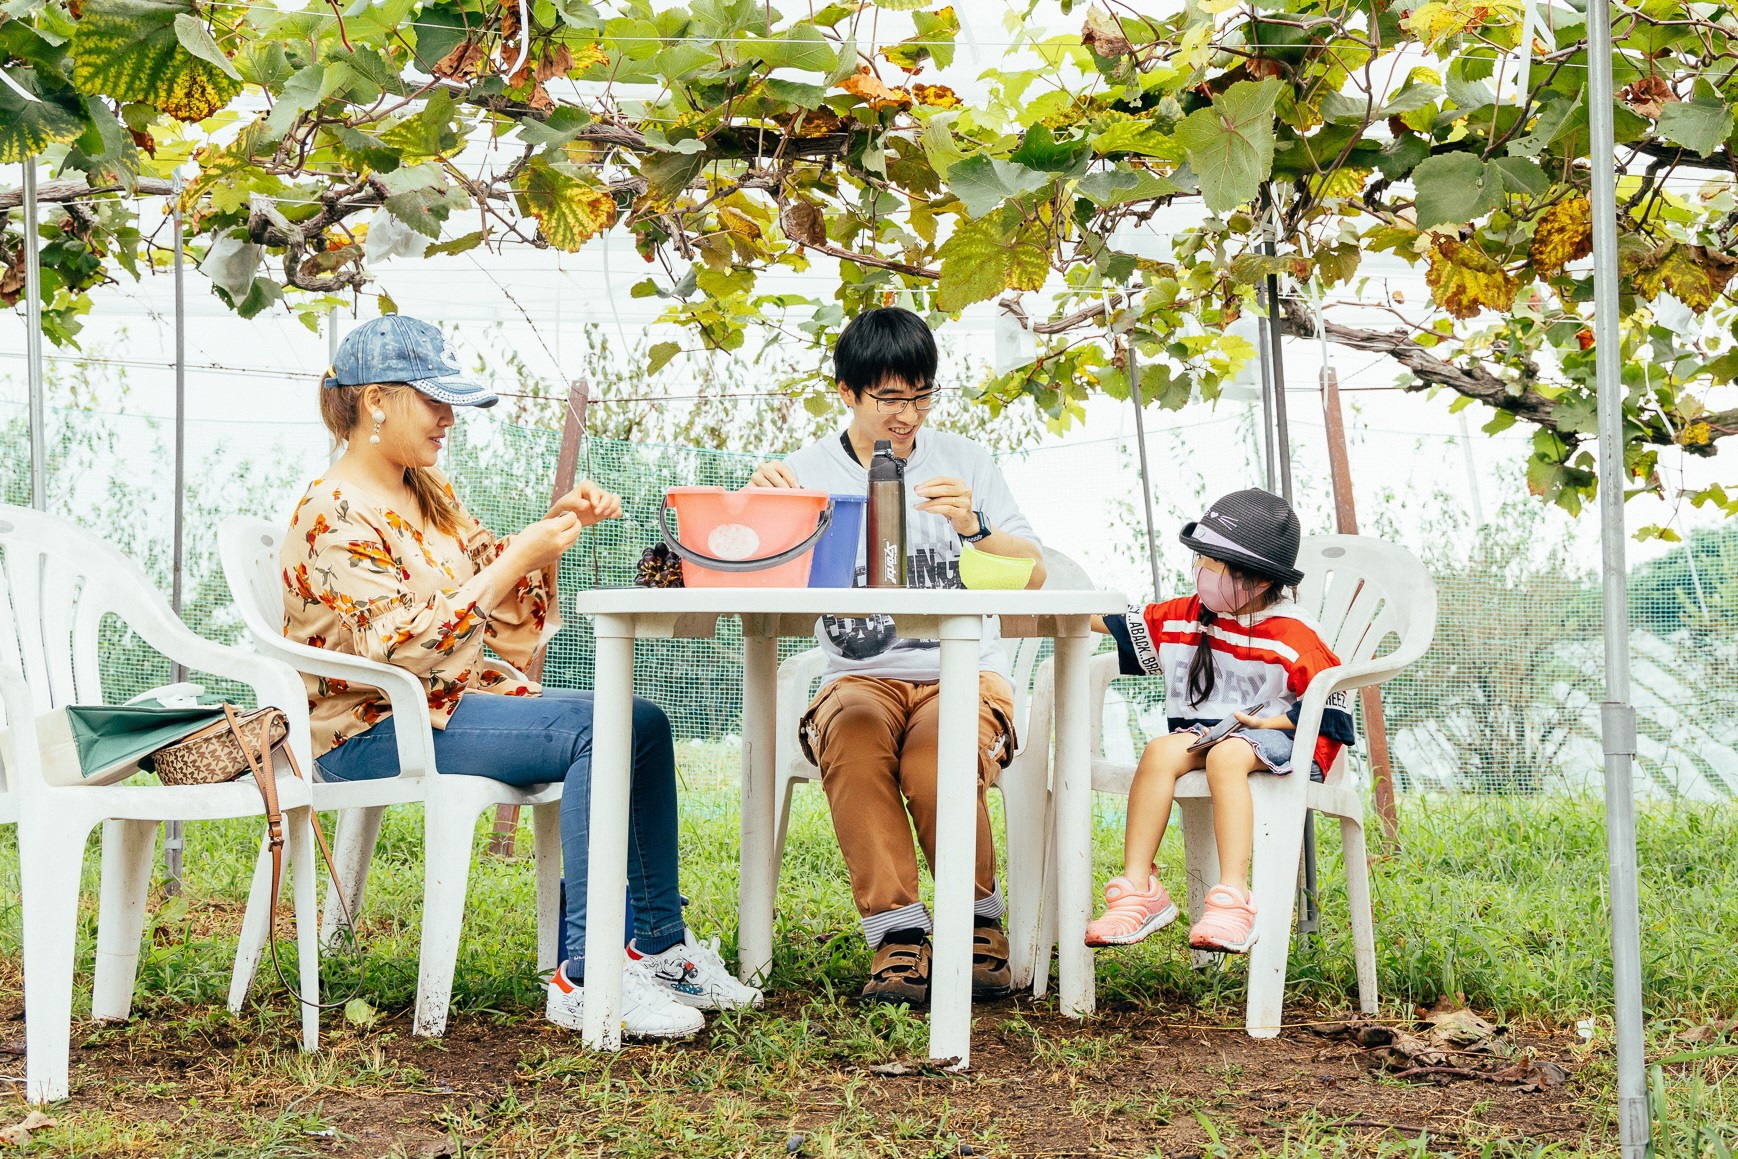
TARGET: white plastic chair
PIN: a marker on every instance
(249, 549)
(59, 582)
(1363, 594)
(1024, 784)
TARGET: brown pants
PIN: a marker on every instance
(875, 743)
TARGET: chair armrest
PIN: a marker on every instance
(1340, 678)
(405, 693)
(274, 682)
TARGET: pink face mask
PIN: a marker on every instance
(1222, 592)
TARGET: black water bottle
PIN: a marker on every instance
(884, 519)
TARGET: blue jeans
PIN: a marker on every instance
(532, 740)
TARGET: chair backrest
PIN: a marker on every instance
(1363, 592)
(1060, 574)
(249, 549)
(57, 582)
(20, 754)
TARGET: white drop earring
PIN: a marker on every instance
(379, 416)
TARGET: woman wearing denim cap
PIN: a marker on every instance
(384, 562)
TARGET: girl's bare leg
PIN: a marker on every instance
(1149, 801)
(1228, 767)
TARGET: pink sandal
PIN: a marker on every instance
(1227, 924)
(1131, 914)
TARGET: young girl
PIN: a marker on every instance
(1238, 647)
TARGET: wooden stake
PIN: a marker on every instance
(566, 466)
(1346, 522)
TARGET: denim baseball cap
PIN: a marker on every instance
(394, 348)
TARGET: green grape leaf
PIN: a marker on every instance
(1230, 145)
(1454, 188)
(984, 183)
(1700, 125)
(131, 50)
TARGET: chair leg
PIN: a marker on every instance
(1200, 865)
(250, 946)
(1357, 861)
(1278, 845)
(50, 867)
(1026, 868)
(299, 837)
(546, 836)
(127, 849)
(1044, 947)
(446, 877)
(352, 853)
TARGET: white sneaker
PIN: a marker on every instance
(693, 974)
(648, 1009)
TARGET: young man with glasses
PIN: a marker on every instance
(872, 728)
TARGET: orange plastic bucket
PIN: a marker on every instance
(758, 537)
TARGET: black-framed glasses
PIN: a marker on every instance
(893, 406)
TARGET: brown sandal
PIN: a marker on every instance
(991, 975)
(900, 972)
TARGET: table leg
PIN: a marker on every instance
(759, 789)
(950, 984)
(607, 859)
(1073, 836)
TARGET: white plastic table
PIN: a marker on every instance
(953, 617)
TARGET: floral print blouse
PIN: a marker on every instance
(360, 577)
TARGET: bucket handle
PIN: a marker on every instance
(700, 559)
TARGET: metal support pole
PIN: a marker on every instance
(1275, 354)
(1617, 717)
(38, 406)
(174, 840)
(1134, 387)
(1279, 472)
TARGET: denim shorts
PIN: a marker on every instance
(1272, 748)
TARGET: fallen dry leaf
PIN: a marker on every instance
(18, 1134)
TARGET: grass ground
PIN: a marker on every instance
(1497, 904)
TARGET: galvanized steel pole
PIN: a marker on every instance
(1617, 717)
(174, 839)
(38, 406)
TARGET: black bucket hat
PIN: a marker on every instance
(1254, 531)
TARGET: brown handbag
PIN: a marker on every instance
(227, 750)
(215, 754)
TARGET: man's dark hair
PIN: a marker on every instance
(889, 342)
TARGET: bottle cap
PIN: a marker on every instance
(883, 445)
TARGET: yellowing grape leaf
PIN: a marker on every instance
(1463, 280)
(569, 212)
(1693, 275)
(940, 96)
(1564, 234)
(130, 50)
(1028, 264)
(974, 260)
(865, 85)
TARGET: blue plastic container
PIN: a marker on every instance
(834, 560)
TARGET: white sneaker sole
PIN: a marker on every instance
(1213, 947)
(559, 1017)
(1148, 928)
(707, 1002)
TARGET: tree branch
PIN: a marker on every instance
(77, 188)
(1515, 395)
